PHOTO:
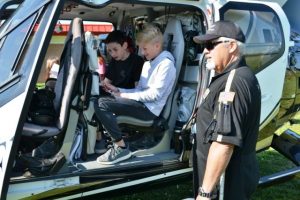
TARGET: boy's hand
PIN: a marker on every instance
(110, 88)
(116, 94)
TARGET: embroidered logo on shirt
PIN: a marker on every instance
(226, 97)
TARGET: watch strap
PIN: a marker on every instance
(202, 193)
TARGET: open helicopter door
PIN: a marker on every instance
(267, 32)
(20, 67)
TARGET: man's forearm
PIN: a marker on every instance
(218, 158)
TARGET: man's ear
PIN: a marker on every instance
(233, 47)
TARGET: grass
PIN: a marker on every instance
(270, 161)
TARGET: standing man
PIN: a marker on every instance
(228, 118)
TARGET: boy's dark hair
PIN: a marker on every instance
(116, 36)
(120, 37)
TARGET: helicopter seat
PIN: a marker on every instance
(174, 43)
(70, 63)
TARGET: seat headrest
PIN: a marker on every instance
(174, 41)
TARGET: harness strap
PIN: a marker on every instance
(227, 89)
(229, 82)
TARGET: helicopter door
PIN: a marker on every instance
(22, 31)
(267, 32)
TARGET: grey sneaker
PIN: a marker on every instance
(100, 147)
(114, 155)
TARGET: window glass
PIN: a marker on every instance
(294, 58)
(264, 38)
(10, 47)
(27, 9)
(7, 8)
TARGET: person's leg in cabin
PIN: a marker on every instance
(107, 110)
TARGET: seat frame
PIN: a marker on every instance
(71, 61)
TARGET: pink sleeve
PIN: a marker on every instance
(101, 68)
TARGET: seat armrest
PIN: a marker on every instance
(34, 130)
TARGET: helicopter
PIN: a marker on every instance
(162, 148)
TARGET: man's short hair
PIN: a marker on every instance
(241, 47)
(239, 44)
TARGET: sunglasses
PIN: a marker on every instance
(211, 45)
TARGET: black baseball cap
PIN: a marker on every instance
(221, 29)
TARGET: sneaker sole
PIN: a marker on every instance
(115, 161)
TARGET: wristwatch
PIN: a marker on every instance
(202, 193)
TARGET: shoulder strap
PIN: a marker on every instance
(228, 83)
(229, 80)
(192, 119)
(226, 91)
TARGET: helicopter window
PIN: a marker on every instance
(264, 38)
(267, 35)
(16, 42)
(13, 34)
(19, 17)
(9, 45)
(7, 8)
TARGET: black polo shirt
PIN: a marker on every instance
(124, 73)
(235, 123)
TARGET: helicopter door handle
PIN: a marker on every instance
(265, 97)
